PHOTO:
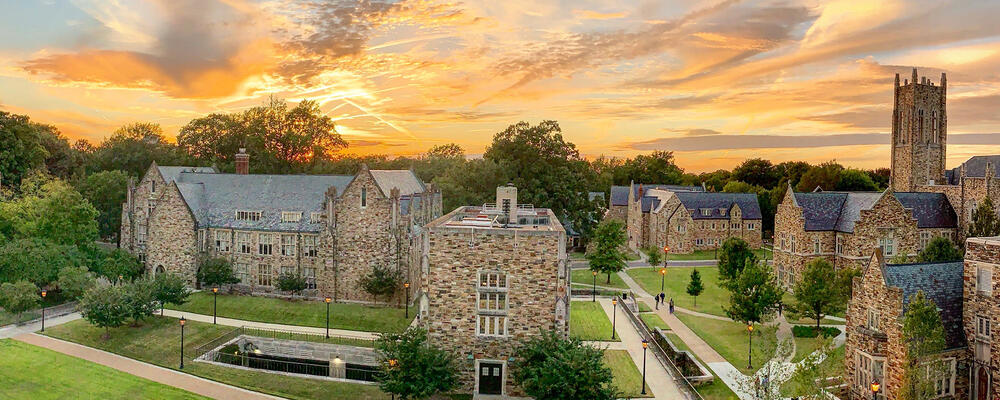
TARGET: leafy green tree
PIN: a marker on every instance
(133, 147)
(105, 307)
(49, 209)
(381, 280)
(549, 366)
(715, 181)
(412, 368)
(734, 255)
(984, 220)
(856, 180)
(791, 171)
(216, 271)
(923, 333)
(754, 294)
(290, 282)
(757, 172)
(880, 176)
(825, 176)
(940, 249)
(119, 263)
(140, 300)
(18, 297)
(473, 182)
(36, 260)
(740, 187)
(654, 255)
(27, 146)
(75, 281)
(821, 291)
(695, 287)
(657, 167)
(106, 191)
(606, 255)
(437, 160)
(170, 289)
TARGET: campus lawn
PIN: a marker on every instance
(31, 372)
(585, 277)
(717, 389)
(711, 255)
(588, 321)
(653, 321)
(711, 300)
(300, 312)
(643, 307)
(627, 377)
(832, 366)
(729, 339)
(157, 341)
(805, 346)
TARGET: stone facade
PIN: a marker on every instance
(980, 314)
(919, 133)
(488, 286)
(968, 193)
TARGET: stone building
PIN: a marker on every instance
(687, 221)
(618, 204)
(875, 349)
(493, 276)
(980, 312)
(845, 227)
(330, 229)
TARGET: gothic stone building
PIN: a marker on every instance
(330, 229)
(875, 349)
(845, 227)
(981, 312)
(493, 276)
(687, 221)
(618, 204)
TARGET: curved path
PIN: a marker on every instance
(265, 325)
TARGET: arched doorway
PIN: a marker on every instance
(982, 386)
(159, 269)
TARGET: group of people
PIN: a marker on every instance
(659, 300)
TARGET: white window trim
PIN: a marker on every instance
(479, 298)
(291, 216)
(316, 217)
(222, 244)
(499, 319)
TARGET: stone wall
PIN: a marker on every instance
(135, 211)
(982, 253)
(886, 343)
(172, 242)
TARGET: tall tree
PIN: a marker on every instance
(551, 367)
(216, 271)
(106, 191)
(940, 249)
(117, 263)
(75, 281)
(657, 167)
(105, 307)
(412, 368)
(856, 180)
(474, 182)
(381, 280)
(695, 286)
(170, 289)
(923, 333)
(654, 255)
(37, 260)
(133, 147)
(714, 181)
(606, 255)
(754, 294)
(26, 145)
(984, 220)
(821, 291)
(791, 171)
(825, 176)
(734, 255)
(758, 172)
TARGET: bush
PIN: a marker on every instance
(105, 307)
(139, 299)
(216, 272)
(807, 331)
(290, 282)
(170, 288)
(18, 297)
(75, 281)
(382, 280)
(119, 263)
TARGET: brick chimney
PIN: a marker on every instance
(242, 162)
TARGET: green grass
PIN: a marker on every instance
(68, 377)
(804, 347)
(53, 299)
(577, 255)
(832, 366)
(730, 339)
(585, 277)
(711, 299)
(643, 307)
(304, 313)
(810, 322)
(717, 389)
(627, 377)
(653, 321)
(711, 255)
(157, 342)
(588, 321)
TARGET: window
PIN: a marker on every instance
(364, 197)
(315, 217)
(221, 241)
(492, 301)
(873, 322)
(264, 244)
(722, 211)
(815, 246)
(201, 240)
(925, 238)
(242, 215)
(793, 243)
(734, 225)
(867, 369)
(291, 216)
(706, 212)
(984, 280)
(243, 273)
(490, 325)
(264, 275)
(493, 280)
(140, 235)
(840, 246)
(784, 244)
(152, 186)
(286, 270)
(243, 242)
(943, 374)
(699, 242)
(309, 246)
(982, 327)
(681, 228)
(310, 274)
(150, 206)
(888, 244)
(751, 226)
(288, 245)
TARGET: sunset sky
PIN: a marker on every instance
(714, 81)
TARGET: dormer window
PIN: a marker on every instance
(722, 211)
(243, 215)
(291, 216)
(315, 217)
(707, 212)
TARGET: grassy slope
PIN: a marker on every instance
(585, 277)
(717, 390)
(711, 299)
(654, 321)
(729, 339)
(305, 313)
(157, 342)
(710, 255)
(628, 379)
(67, 377)
(588, 321)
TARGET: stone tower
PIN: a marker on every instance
(919, 133)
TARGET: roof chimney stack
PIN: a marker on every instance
(242, 162)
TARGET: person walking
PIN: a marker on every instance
(657, 299)
(671, 305)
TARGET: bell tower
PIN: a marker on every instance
(919, 133)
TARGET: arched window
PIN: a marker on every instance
(159, 269)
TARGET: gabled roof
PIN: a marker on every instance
(619, 194)
(941, 283)
(696, 201)
(932, 210)
(404, 179)
(649, 203)
(170, 173)
(974, 167)
(820, 210)
(839, 211)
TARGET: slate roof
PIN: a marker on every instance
(942, 284)
(170, 173)
(619, 194)
(404, 179)
(839, 211)
(974, 167)
(695, 201)
(649, 203)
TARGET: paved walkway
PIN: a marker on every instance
(265, 325)
(152, 372)
(13, 330)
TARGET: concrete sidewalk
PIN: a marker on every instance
(152, 372)
(264, 325)
(13, 330)
(657, 378)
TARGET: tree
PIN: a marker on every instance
(657, 167)
(105, 307)
(856, 180)
(791, 171)
(754, 294)
(654, 255)
(923, 333)
(133, 147)
(139, 298)
(472, 182)
(170, 289)
(37, 260)
(49, 209)
(940, 249)
(551, 367)
(826, 176)
(757, 172)
(18, 297)
(740, 187)
(606, 255)
(290, 282)
(880, 176)
(695, 287)
(437, 160)
(216, 271)
(27, 146)
(106, 192)
(984, 220)
(117, 263)
(734, 255)
(714, 181)
(381, 280)
(75, 281)
(413, 368)
(821, 291)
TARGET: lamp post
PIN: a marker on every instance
(750, 349)
(121, 278)
(327, 300)
(644, 345)
(407, 304)
(874, 387)
(593, 292)
(614, 315)
(663, 276)
(215, 302)
(182, 321)
(44, 292)
(666, 254)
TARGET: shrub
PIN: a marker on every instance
(119, 263)
(18, 297)
(170, 288)
(290, 282)
(139, 299)
(382, 280)
(216, 272)
(806, 331)
(75, 281)
(104, 307)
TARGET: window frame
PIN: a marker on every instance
(288, 249)
(291, 216)
(262, 244)
(363, 198)
(981, 272)
(264, 275)
(249, 215)
(244, 246)
(220, 240)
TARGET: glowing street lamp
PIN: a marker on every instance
(874, 386)
(44, 292)
(663, 276)
(614, 316)
(215, 302)
(750, 349)
(327, 301)
(182, 321)
(644, 345)
(407, 304)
